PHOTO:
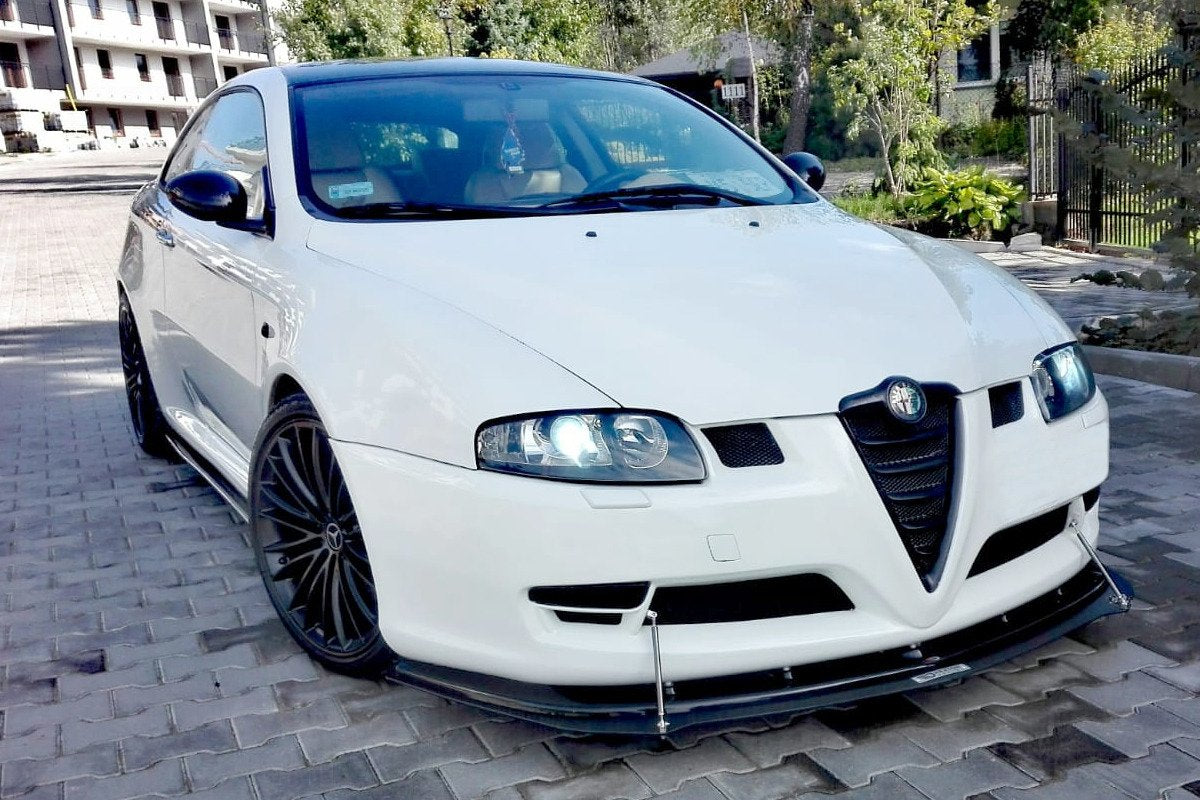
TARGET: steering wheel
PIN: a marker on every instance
(613, 180)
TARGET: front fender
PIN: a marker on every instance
(389, 366)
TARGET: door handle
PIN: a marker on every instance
(164, 236)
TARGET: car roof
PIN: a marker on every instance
(335, 71)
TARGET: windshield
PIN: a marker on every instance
(519, 144)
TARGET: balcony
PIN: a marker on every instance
(23, 75)
(27, 19)
(204, 86)
(175, 85)
(243, 47)
(166, 35)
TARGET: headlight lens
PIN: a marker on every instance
(1062, 381)
(599, 446)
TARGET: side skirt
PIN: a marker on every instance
(239, 504)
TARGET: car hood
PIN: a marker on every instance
(719, 314)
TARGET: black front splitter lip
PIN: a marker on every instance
(1077, 602)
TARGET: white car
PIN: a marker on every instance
(551, 391)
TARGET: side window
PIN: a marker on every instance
(231, 138)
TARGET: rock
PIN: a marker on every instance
(1152, 280)
(1025, 242)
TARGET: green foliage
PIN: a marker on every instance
(1005, 138)
(887, 83)
(536, 30)
(880, 207)
(317, 30)
(1122, 35)
(1052, 26)
(970, 202)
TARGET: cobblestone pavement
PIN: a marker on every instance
(139, 656)
(1050, 270)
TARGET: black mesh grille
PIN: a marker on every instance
(1008, 404)
(750, 445)
(912, 466)
(1017, 540)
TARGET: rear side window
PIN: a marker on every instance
(230, 137)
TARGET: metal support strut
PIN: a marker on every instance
(662, 725)
(1118, 597)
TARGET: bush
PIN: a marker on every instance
(880, 207)
(968, 203)
(1004, 138)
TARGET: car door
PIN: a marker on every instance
(208, 273)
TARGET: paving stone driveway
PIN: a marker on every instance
(139, 656)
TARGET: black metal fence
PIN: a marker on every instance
(1098, 206)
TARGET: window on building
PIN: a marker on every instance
(143, 66)
(6, 10)
(97, 9)
(230, 72)
(106, 70)
(174, 79)
(135, 12)
(114, 119)
(152, 122)
(79, 69)
(12, 74)
(975, 60)
(162, 18)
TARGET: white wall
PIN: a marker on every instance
(126, 82)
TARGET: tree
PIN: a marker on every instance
(318, 30)
(787, 23)
(535, 30)
(1050, 27)
(1121, 36)
(889, 82)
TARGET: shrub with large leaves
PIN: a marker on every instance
(970, 202)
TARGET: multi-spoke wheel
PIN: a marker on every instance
(310, 546)
(149, 427)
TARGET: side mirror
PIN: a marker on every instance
(808, 167)
(209, 195)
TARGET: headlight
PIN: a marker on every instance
(599, 446)
(1062, 381)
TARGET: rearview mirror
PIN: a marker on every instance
(808, 167)
(209, 195)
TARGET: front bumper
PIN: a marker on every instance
(632, 709)
(456, 551)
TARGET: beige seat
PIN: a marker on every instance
(341, 177)
(543, 172)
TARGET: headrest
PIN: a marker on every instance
(335, 153)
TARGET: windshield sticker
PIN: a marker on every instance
(512, 154)
(343, 191)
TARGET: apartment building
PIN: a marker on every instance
(136, 68)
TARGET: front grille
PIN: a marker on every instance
(750, 445)
(912, 467)
(1016, 540)
(1008, 403)
(738, 601)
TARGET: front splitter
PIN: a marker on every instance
(632, 709)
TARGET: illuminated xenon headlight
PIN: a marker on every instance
(600, 446)
(1062, 381)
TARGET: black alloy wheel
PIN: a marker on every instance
(149, 427)
(310, 546)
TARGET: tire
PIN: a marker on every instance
(149, 425)
(309, 545)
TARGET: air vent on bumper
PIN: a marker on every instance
(1015, 541)
(1008, 403)
(749, 445)
(739, 601)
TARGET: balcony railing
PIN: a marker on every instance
(241, 42)
(204, 86)
(22, 75)
(29, 12)
(175, 85)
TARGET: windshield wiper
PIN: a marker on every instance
(414, 208)
(673, 193)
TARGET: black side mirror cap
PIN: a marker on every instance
(209, 195)
(808, 167)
